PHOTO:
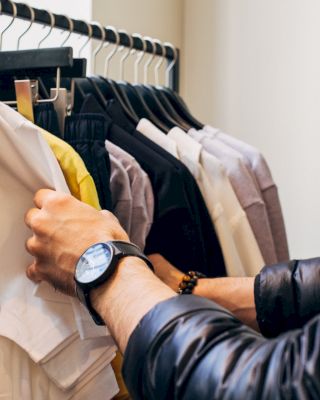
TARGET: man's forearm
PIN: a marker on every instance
(235, 294)
(127, 297)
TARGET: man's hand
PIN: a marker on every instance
(63, 228)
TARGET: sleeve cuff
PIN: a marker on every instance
(274, 299)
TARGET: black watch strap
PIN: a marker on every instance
(129, 249)
(84, 297)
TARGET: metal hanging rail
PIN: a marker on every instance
(62, 22)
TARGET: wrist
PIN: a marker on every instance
(166, 272)
(127, 296)
(127, 269)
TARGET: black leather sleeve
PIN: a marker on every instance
(190, 348)
(287, 295)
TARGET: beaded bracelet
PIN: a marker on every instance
(189, 282)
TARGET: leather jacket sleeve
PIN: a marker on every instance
(287, 295)
(190, 348)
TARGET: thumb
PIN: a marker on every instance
(32, 273)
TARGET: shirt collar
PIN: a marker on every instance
(187, 146)
(155, 134)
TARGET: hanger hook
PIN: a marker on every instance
(32, 18)
(14, 14)
(171, 65)
(71, 28)
(133, 50)
(52, 22)
(126, 55)
(160, 62)
(150, 59)
(139, 56)
(99, 47)
(113, 52)
(90, 33)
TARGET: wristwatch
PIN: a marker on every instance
(96, 266)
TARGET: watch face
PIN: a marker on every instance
(93, 263)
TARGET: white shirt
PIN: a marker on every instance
(256, 162)
(22, 379)
(242, 233)
(39, 327)
(246, 188)
(44, 328)
(192, 155)
(157, 136)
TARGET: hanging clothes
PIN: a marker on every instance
(242, 258)
(46, 118)
(86, 136)
(203, 228)
(82, 187)
(44, 329)
(255, 160)
(245, 189)
(78, 179)
(142, 195)
(121, 193)
(181, 220)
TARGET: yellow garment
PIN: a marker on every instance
(117, 367)
(81, 186)
(78, 179)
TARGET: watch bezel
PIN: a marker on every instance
(109, 270)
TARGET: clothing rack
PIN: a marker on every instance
(61, 22)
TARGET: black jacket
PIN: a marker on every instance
(192, 349)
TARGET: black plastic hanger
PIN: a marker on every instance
(119, 93)
(158, 93)
(108, 89)
(105, 89)
(78, 70)
(32, 64)
(181, 108)
(134, 93)
(170, 109)
(156, 107)
(150, 96)
(174, 99)
(141, 108)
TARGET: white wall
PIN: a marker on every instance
(160, 19)
(252, 68)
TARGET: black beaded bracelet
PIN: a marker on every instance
(189, 282)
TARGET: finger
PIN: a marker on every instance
(30, 216)
(41, 197)
(33, 274)
(29, 245)
(32, 246)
